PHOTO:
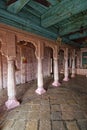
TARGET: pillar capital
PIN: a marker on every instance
(11, 58)
(55, 58)
(11, 85)
(40, 50)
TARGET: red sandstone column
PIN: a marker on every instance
(73, 64)
(56, 73)
(12, 102)
(40, 90)
(66, 72)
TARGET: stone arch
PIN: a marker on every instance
(27, 50)
(54, 48)
(28, 40)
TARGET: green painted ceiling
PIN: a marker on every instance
(49, 18)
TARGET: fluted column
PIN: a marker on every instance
(11, 86)
(73, 64)
(40, 90)
(56, 73)
(66, 72)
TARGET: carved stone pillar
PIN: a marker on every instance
(73, 64)
(56, 73)
(40, 90)
(40, 54)
(66, 72)
(11, 86)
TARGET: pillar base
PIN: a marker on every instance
(56, 84)
(40, 91)
(66, 79)
(73, 75)
(12, 103)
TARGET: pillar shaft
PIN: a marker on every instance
(40, 90)
(66, 72)
(56, 74)
(11, 80)
(12, 102)
(40, 75)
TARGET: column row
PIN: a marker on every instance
(11, 86)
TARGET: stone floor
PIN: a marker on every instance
(62, 108)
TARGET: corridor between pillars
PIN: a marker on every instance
(66, 73)
(40, 90)
(56, 73)
(12, 102)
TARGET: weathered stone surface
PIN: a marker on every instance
(69, 115)
(23, 115)
(26, 108)
(33, 115)
(19, 125)
(45, 108)
(45, 115)
(7, 125)
(38, 112)
(72, 125)
(13, 115)
(79, 115)
(57, 101)
(58, 125)
(67, 107)
(31, 125)
(82, 124)
(56, 116)
(45, 125)
(55, 108)
(35, 107)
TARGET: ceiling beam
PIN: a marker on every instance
(25, 24)
(69, 42)
(53, 2)
(62, 11)
(78, 35)
(38, 7)
(32, 11)
(17, 6)
(74, 25)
